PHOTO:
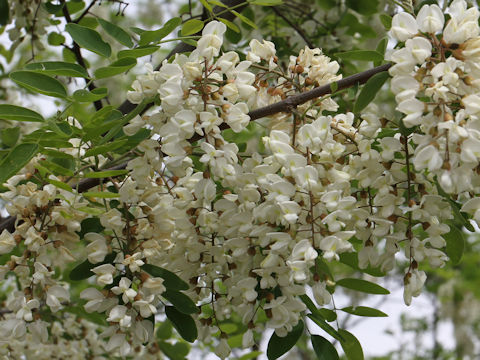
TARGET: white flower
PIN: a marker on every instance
(472, 104)
(123, 288)
(96, 301)
(321, 294)
(404, 26)
(260, 51)
(119, 315)
(118, 341)
(430, 19)
(413, 285)
(25, 311)
(428, 158)
(237, 117)
(134, 261)
(222, 350)
(420, 48)
(97, 249)
(154, 286)
(55, 296)
(7, 242)
(247, 288)
(413, 108)
(145, 307)
(104, 274)
(212, 39)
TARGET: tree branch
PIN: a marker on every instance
(297, 28)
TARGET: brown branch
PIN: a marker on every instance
(85, 12)
(297, 28)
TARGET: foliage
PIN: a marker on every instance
(242, 183)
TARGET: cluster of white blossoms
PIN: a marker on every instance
(30, 19)
(251, 231)
(434, 82)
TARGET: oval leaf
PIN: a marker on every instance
(323, 348)
(351, 346)
(369, 91)
(363, 286)
(85, 96)
(364, 311)
(83, 270)
(156, 35)
(171, 281)
(277, 346)
(181, 302)
(120, 66)
(184, 324)
(18, 113)
(329, 329)
(88, 39)
(455, 243)
(138, 52)
(192, 26)
(360, 55)
(116, 32)
(16, 159)
(58, 68)
(40, 83)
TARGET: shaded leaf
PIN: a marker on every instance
(58, 68)
(360, 55)
(324, 348)
(363, 286)
(120, 66)
(137, 52)
(85, 96)
(40, 83)
(18, 113)
(88, 39)
(277, 346)
(455, 243)
(153, 36)
(191, 26)
(15, 160)
(171, 281)
(329, 329)
(116, 32)
(350, 345)
(364, 311)
(181, 302)
(83, 270)
(184, 324)
(4, 12)
(369, 91)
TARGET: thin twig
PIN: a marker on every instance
(297, 28)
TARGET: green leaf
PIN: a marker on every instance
(181, 302)
(458, 218)
(90, 225)
(102, 149)
(88, 39)
(137, 52)
(89, 22)
(364, 7)
(206, 5)
(266, 2)
(184, 324)
(230, 25)
(245, 19)
(120, 66)
(364, 311)
(360, 55)
(154, 36)
(55, 39)
(101, 194)
(328, 314)
(164, 331)
(171, 281)
(191, 26)
(39, 83)
(362, 286)
(105, 174)
(18, 113)
(351, 259)
(60, 185)
(58, 68)
(350, 345)
(329, 329)
(324, 348)
(83, 270)
(369, 91)
(15, 160)
(386, 20)
(455, 243)
(85, 96)
(277, 346)
(170, 350)
(116, 32)
(10, 136)
(4, 12)
(56, 169)
(250, 355)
